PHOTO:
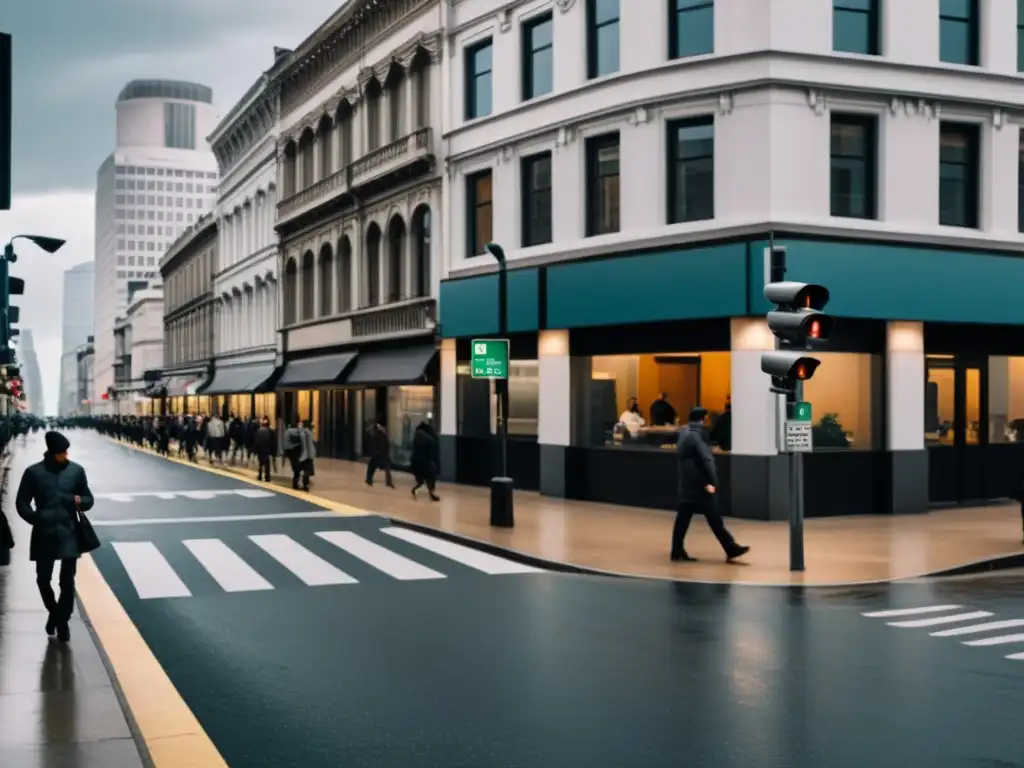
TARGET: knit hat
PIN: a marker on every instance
(56, 443)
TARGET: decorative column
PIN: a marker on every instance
(554, 418)
(449, 411)
(905, 406)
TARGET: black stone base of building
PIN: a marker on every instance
(908, 482)
(552, 470)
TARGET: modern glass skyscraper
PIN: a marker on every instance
(160, 177)
(77, 327)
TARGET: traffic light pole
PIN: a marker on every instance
(796, 499)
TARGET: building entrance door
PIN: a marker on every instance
(956, 427)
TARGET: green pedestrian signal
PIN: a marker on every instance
(800, 412)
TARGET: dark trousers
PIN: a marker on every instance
(684, 514)
(263, 461)
(60, 608)
(428, 480)
(379, 462)
(299, 471)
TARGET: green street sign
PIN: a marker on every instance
(801, 412)
(489, 359)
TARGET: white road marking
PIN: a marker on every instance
(150, 574)
(227, 568)
(126, 497)
(210, 519)
(253, 493)
(1001, 640)
(911, 611)
(382, 559)
(199, 495)
(1016, 656)
(933, 622)
(312, 569)
(978, 628)
(481, 561)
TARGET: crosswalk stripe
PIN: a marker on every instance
(150, 574)
(227, 568)
(312, 569)
(978, 628)
(1001, 640)
(1016, 656)
(481, 561)
(933, 622)
(911, 611)
(382, 559)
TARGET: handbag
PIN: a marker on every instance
(88, 541)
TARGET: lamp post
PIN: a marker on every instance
(502, 505)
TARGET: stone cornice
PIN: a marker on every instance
(251, 125)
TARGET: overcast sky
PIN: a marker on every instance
(71, 58)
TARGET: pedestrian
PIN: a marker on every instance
(264, 447)
(424, 462)
(59, 490)
(6, 540)
(698, 486)
(308, 456)
(216, 438)
(292, 446)
(378, 446)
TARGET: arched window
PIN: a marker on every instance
(308, 281)
(326, 283)
(291, 289)
(421, 251)
(344, 274)
(373, 237)
(393, 86)
(396, 259)
(306, 157)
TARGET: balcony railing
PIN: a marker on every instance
(321, 191)
(389, 158)
(413, 315)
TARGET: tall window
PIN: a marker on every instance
(958, 175)
(536, 188)
(855, 26)
(959, 32)
(179, 125)
(478, 80)
(603, 37)
(603, 184)
(691, 172)
(538, 56)
(1020, 35)
(691, 28)
(479, 212)
(852, 162)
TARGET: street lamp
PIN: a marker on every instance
(48, 244)
(502, 507)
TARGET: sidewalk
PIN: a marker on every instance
(58, 706)
(635, 541)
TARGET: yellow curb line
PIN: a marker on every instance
(172, 734)
(333, 506)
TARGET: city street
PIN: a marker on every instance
(299, 637)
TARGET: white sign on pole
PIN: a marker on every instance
(798, 437)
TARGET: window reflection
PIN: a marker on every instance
(407, 407)
(477, 401)
(842, 400)
(1006, 399)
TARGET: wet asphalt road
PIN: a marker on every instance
(308, 639)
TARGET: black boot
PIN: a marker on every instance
(51, 625)
(63, 632)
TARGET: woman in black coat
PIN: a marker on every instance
(6, 540)
(59, 490)
(424, 463)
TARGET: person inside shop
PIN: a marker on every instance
(662, 412)
(721, 432)
(698, 486)
(378, 447)
(424, 462)
(631, 418)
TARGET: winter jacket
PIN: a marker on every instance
(6, 540)
(264, 442)
(696, 464)
(51, 488)
(424, 461)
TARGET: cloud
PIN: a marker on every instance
(68, 215)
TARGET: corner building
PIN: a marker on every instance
(360, 185)
(634, 158)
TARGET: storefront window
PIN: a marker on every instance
(307, 408)
(639, 401)
(266, 406)
(240, 405)
(176, 405)
(843, 402)
(478, 401)
(1005, 399)
(407, 407)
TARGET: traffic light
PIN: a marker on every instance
(798, 323)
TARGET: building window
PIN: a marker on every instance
(959, 31)
(477, 399)
(1020, 35)
(852, 163)
(179, 126)
(602, 37)
(538, 57)
(478, 80)
(603, 184)
(958, 175)
(479, 212)
(691, 182)
(1020, 183)
(536, 206)
(691, 28)
(855, 26)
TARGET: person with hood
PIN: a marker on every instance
(59, 490)
(424, 462)
(698, 484)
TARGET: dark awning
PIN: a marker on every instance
(315, 371)
(239, 379)
(401, 365)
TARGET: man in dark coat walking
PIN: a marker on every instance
(59, 490)
(424, 459)
(698, 483)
